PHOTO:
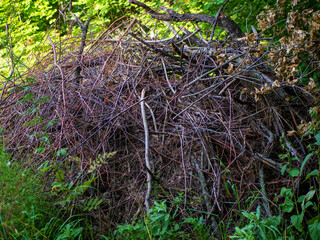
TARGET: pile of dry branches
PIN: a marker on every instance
(207, 115)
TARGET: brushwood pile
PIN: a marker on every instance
(218, 113)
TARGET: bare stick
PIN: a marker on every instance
(146, 134)
(166, 75)
(58, 66)
(206, 194)
(84, 30)
(264, 192)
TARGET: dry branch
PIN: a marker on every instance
(222, 20)
(147, 160)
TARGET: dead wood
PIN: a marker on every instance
(221, 20)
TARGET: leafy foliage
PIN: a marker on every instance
(258, 228)
(160, 223)
(19, 198)
(23, 25)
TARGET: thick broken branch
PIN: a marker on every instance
(222, 21)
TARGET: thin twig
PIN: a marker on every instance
(216, 20)
(61, 72)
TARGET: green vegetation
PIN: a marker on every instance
(25, 208)
(161, 224)
(26, 211)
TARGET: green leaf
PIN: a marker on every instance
(286, 192)
(305, 161)
(317, 137)
(43, 100)
(51, 123)
(76, 232)
(62, 152)
(308, 204)
(283, 168)
(90, 201)
(294, 172)
(32, 122)
(310, 195)
(208, 5)
(176, 227)
(60, 175)
(313, 173)
(314, 230)
(219, 2)
(44, 169)
(27, 97)
(272, 221)
(287, 206)
(110, 155)
(296, 221)
(45, 139)
(301, 198)
(98, 203)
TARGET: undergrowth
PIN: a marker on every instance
(25, 210)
